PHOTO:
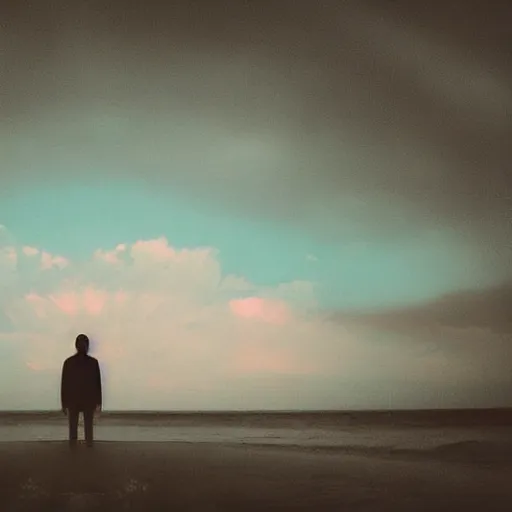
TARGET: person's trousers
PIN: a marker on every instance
(73, 415)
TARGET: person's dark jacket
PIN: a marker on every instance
(81, 382)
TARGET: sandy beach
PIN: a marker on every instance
(112, 476)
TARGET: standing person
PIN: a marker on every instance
(81, 390)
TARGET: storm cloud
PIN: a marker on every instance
(306, 113)
(487, 309)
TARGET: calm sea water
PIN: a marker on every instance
(393, 429)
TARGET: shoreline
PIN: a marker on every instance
(462, 452)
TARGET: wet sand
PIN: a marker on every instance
(157, 476)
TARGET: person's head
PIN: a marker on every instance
(82, 344)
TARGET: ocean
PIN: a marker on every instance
(424, 430)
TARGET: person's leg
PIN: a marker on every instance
(73, 425)
(88, 426)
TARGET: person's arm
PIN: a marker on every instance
(64, 386)
(98, 385)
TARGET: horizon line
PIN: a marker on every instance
(269, 411)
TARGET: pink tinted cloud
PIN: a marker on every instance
(91, 301)
(30, 251)
(67, 302)
(94, 300)
(157, 249)
(184, 331)
(107, 256)
(49, 261)
(111, 257)
(266, 310)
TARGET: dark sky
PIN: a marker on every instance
(405, 98)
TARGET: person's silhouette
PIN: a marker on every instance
(81, 390)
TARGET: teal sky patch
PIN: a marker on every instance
(73, 221)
